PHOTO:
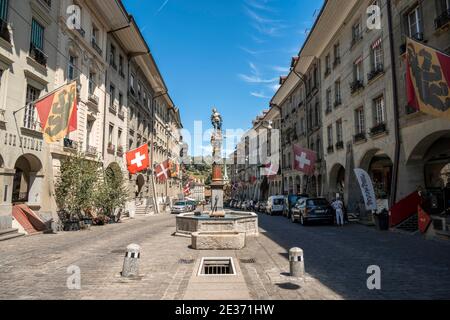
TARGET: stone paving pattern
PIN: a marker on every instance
(336, 260)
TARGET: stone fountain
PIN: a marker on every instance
(217, 229)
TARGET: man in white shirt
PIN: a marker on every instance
(338, 207)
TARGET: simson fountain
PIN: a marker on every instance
(217, 228)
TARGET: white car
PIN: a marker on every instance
(275, 205)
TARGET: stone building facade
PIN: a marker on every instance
(39, 52)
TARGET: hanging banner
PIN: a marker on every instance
(424, 220)
(368, 192)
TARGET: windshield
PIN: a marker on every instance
(278, 202)
(317, 202)
(180, 203)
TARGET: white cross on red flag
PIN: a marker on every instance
(187, 189)
(304, 160)
(138, 159)
(162, 171)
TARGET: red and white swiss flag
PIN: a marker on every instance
(162, 171)
(138, 160)
(304, 160)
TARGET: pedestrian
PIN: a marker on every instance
(338, 207)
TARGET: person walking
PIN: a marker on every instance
(338, 207)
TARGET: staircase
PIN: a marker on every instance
(410, 225)
(8, 234)
(141, 210)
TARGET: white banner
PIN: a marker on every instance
(367, 190)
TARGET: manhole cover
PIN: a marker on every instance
(248, 261)
(186, 261)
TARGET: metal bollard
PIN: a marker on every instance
(296, 262)
(131, 261)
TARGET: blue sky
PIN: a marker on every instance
(223, 53)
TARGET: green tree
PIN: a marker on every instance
(112, 192)
(76, 184)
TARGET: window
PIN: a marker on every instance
(112, 95)
(95, 35)
(415, 24)
(4, 9)
(356, 32)
(132, 83)
(328, 98)
(330, 135)
(139, 90)
(119, 136)
(91, 83)
(337, 92)
(37, 35)
(120, 100)
(111, 133)
(112, 56)
(316, 115)
(339, 135)
(71, 73)
(358, 70)
(360, 121)
(30, 121)
(377, 55)
(121, 72)
(337, 54)
(379, 112)
(327, 64)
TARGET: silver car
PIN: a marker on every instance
(181, 207)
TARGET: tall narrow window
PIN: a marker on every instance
(91, 83)
(30, 121)
(339, 134)
(357, 70)
(112, 95)
(337, 92)
(71, 73)
(330, 135)
(4, 10)
(377, 55)
(379, 111)
(360, 121)
(37, 35)
(415, 24)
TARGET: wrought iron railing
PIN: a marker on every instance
(442, 19)
(20, 197)
(96, 47)
(378, 129)
(377, 70)
(70, 144)
(91, 151)
(356, 86)
(360, 137)
(38, 55)
(340, 145)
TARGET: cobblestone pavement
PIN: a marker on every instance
(336, 263)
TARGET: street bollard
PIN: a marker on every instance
(131, 261)
(296, 262)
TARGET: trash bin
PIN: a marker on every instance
(382, 219)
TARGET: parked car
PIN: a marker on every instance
(291, 201)
(312, 209)
(192, 205)
(275, 205)
(263, 207)
(181, 207)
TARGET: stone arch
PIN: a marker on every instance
(27, 182)
(379, 165)
(337, 179)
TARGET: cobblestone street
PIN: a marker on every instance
(336, 261)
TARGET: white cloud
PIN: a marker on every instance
(162, 6)
(281, 69)
(256, 79)
(259, 95)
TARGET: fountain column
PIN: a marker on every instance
(217, 184)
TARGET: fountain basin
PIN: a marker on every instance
(243, 222)
(228, 240)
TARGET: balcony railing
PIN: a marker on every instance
(359, 137)
(356, 85)
(96, 47)
(330, 149)
(91, 151)
(442, 20)
(340, 145)
(113, 108)
(70, 144)
(121, 114)
(377, 70)
(378, 129)
(94, 99)
(32, 125)
(4, 31)
(38, 55)
(20, 197)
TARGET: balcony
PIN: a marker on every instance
(330, 149)
(327, 72)
(93, 99)
(356, 86)
(443, 20)
(121, 114)
(111, 148)
(70, 144)
(19, 197)
(96, 47)
(38, 55)
(340, 145)
(360, 137)
(4, 31)
(32, 125)
(377, 70)
(378, 129)
(91, 151)
(113, 108)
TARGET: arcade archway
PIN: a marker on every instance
(26, 181)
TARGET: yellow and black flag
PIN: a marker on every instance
(58, 112)
(428, 79)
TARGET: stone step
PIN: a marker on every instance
(8, 231)
(9, 236)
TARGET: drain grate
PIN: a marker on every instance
(248, 261)
(217, 266)
(186, 261)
